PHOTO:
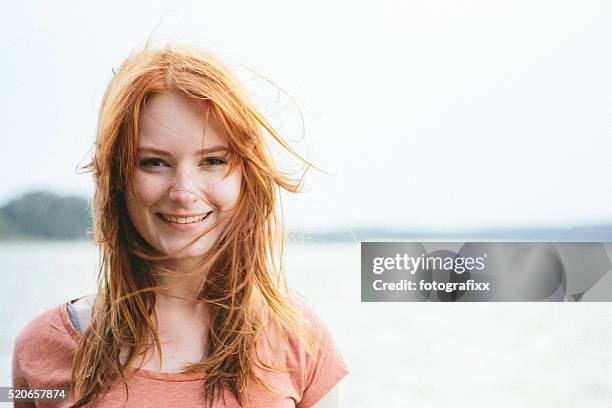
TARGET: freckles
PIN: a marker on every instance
(149, 190)
(225, 193)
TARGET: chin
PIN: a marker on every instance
(195, 251)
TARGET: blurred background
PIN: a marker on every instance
(430, 119)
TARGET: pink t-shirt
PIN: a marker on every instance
(44, 348)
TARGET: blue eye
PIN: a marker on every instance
(152, 162)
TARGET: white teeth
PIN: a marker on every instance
(187, 220)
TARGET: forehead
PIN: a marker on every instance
(175, 122)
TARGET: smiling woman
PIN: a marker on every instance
(191, 308)
(182, 183)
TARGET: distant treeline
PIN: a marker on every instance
(45, 215)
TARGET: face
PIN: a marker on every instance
(181, 185)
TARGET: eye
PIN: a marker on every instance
(213, 161)
(152, 162)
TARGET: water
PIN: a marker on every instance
(399, 354)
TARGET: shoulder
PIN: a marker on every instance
(313, 325)
(49, 328)
(43, 349)
(319, 369)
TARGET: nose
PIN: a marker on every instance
(183, 191)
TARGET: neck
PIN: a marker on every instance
(185, 294)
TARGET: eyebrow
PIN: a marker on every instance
(199, 152)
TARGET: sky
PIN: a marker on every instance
(421, 114)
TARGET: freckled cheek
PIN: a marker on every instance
(149, 190)
(226, 192)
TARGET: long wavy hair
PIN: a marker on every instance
(244, 278)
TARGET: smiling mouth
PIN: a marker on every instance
(184, 220)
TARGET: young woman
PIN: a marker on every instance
(192, 307)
